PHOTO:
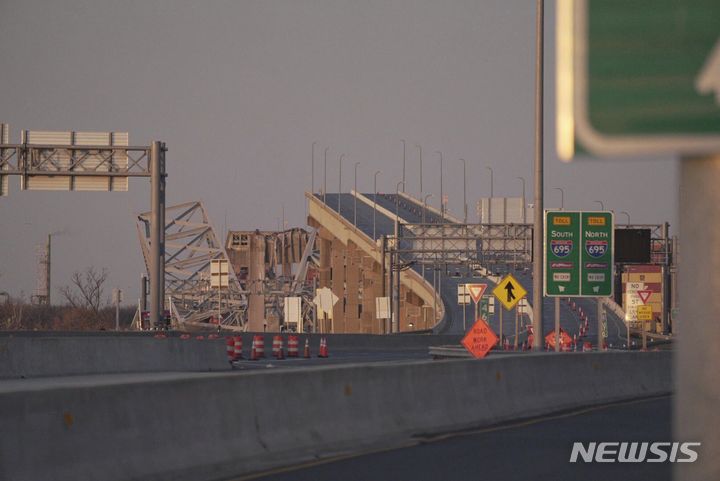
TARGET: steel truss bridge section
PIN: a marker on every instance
(190, 245)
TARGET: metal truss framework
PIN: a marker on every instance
(74, 160)
(465, 244)
(190, 245)
(37, 160)
(492, 244)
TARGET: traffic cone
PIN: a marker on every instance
(306, 353)
(323, 351)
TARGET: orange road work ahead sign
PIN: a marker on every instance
(479, 339)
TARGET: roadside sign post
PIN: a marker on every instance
(464, 300)
(480, 339)
(579, 258)
(612, 76)
(220, 280)
(476, 292)
(509, 292)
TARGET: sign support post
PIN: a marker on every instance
(501, 326)
(157, 232)
(557, 324)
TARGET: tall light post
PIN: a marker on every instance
(628, 217)
(464, 191)
(524, 209)
(355, 196)
(420, 149)
(312, 169)
(403, 178)
(325, 175)
(538, 161)
(602, 206)
(425, 199)
(442, 198)
(397, 254)
(492, 193)
(375, 200)
(562, 197)
(340, 183)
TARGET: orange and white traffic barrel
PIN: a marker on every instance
(293, 345)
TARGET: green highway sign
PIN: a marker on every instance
(638, 77)
(579, 254)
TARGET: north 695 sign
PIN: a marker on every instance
(578, 254)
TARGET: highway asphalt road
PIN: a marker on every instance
(535, 449)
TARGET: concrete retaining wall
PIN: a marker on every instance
(30, 356)
(210, 426)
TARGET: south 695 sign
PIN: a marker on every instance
(578, 254)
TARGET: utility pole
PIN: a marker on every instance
(403, 178)
(157, 232)
(47, 271)
(538, 234)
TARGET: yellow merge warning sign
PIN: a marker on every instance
(509, 291)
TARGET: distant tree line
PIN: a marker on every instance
(85, 309)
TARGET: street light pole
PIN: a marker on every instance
(524, 210)
(492, 194)
(340, 183)
(312, 170)
(397, 255)
(325, 175)
(492, 191)
(442, 198)
(602, 206)
(464, 192)
(420, 149)
(538, 236)
(375, 200)
(562, 197)
(425, 199)
(628, 216)
(403, 178)
(355, 197)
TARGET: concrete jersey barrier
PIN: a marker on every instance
(211, 426)
(25, 356)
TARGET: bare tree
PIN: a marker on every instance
(86, 289)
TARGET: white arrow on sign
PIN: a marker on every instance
(708, 81)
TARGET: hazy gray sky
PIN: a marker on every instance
(240, 89)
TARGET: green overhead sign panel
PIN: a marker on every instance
(638, 77)
(579, 254)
